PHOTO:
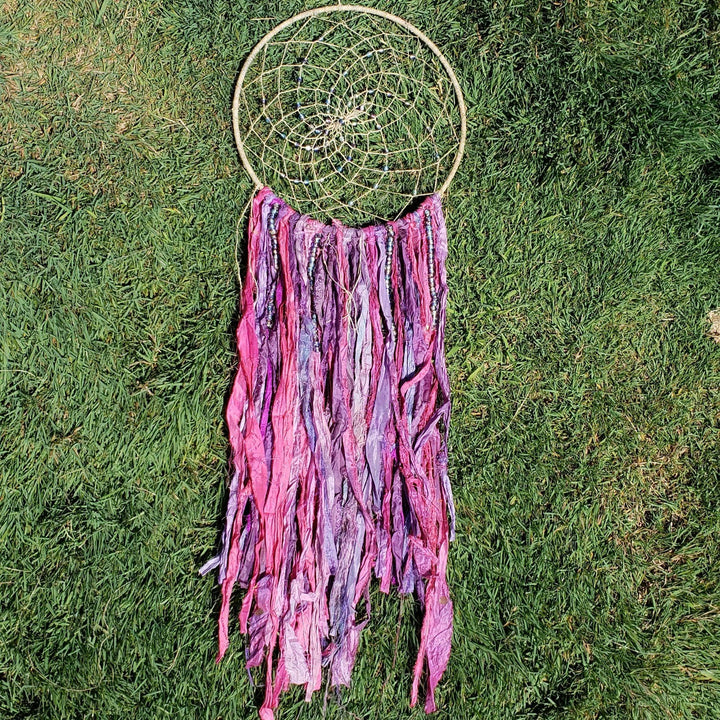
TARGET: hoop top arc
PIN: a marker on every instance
(358, 9)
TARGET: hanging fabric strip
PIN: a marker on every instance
(338, 423)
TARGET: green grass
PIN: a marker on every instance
(584, 259)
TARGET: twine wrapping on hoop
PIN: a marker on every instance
(339, 412)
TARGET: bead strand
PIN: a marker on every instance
(431, 266)
(389, 247)
(311, 289)
(272, 229)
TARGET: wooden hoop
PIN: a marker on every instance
(355, 9)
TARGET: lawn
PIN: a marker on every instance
(584, 231)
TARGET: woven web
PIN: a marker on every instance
(349, 115)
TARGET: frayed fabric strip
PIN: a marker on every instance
(338, 421)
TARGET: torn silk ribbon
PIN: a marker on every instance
(338, 422)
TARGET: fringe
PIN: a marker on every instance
(338, 421)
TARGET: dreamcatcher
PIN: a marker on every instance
(339, 413)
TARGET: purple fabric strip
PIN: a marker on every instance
(338, 421)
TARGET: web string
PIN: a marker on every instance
(350, 116)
